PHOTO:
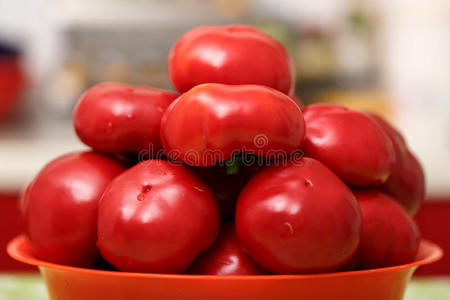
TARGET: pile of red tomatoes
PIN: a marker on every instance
(227, 176)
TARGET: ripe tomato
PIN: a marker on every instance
(348, 142)
(226, 187)
(213, 121)
(119, 118)
(225, 257)
(389, 235)
(59, 207)
(233, 54)
(406, 184)
(156, 217)
(298, 218)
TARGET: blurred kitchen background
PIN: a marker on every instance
(389, 56)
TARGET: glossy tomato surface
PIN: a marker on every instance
(389, 236)
(298, 218)
(59, 207)
(225, 257)
(119, 118)
(232, 54)
(156, 217)
(212, 121)
(406, 184)
(348, 142)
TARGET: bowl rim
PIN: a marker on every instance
(14, 250)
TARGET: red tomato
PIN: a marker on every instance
(298, 218)
(212, 121)
(118, 118)
(59, 207)
(233, 54)
(225, 257)
(226, 187)
(156, 217)
(351, 144)
(389, 236)
(407, 181)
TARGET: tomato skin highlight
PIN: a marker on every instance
(298, 218)
(115, 117)
(211, 122)
(232, 54)
(389, 236)
(348, 142)
(59, 207)
(225, 257)
(156, 217)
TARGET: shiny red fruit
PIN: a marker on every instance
(119, 118)
(389, 235)
(213, 121)
(232, 54)
(59, 207)
(225, 257)
(406, 184)
(156, 217)
(348, 142)
(298, 218)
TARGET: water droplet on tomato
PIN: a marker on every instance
(146, 188)
(308, 183)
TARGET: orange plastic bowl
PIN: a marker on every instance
(70, 283)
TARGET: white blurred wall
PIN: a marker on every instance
(27, 23)
(416, 70)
